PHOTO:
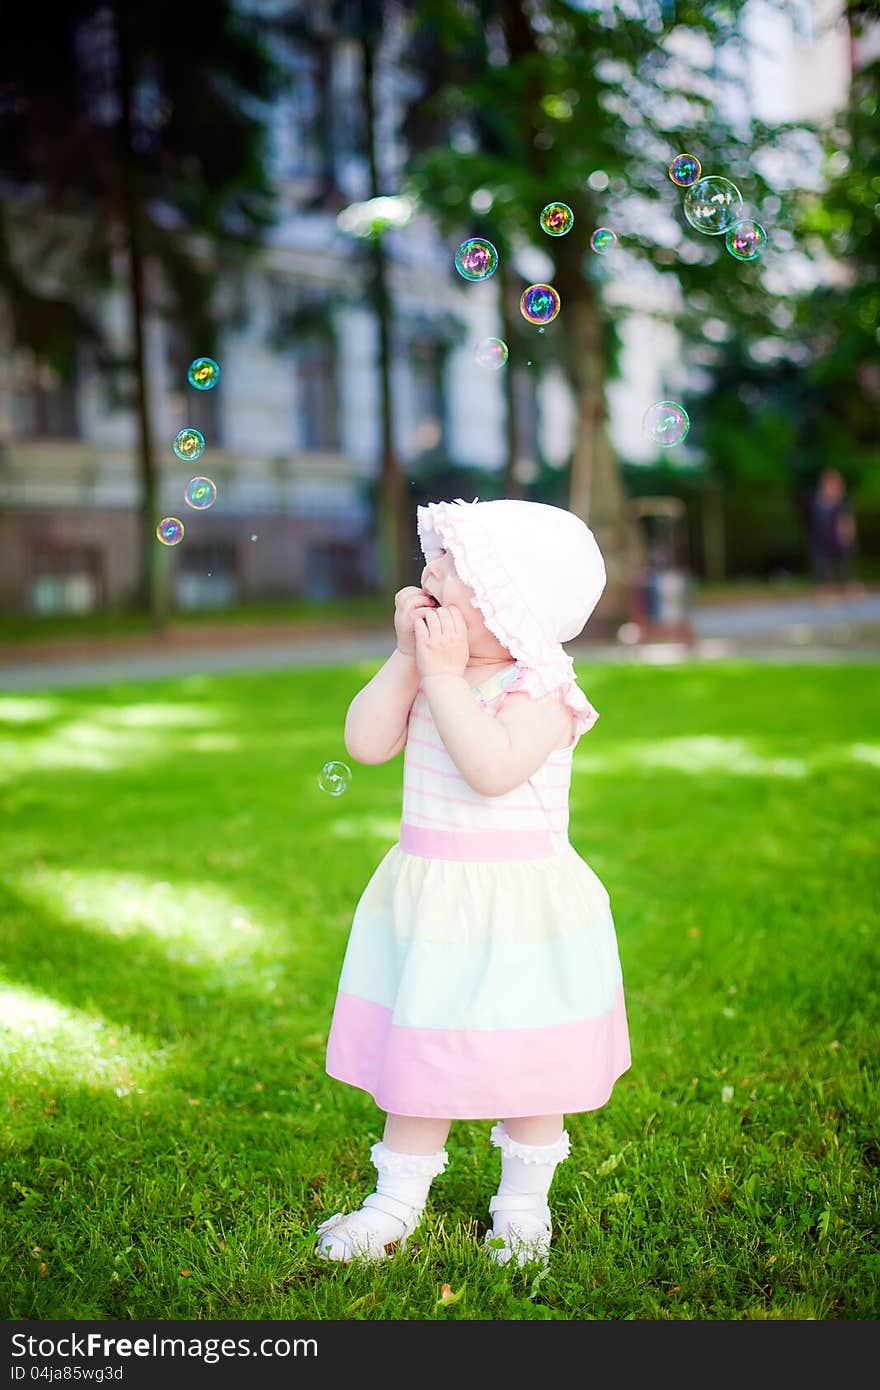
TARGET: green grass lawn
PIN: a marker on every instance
(176, 896)
(131, 622)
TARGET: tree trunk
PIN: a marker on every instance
(152, 585)
(597, 493)
(714, 562)
(393, 526)
(507, 306)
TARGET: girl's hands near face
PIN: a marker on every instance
(408, 604)
(441, 642)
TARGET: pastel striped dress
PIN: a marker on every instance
(481, 978)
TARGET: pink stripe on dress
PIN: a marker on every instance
(492, 845)
(499, 1075)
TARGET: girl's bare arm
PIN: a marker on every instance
(494, 755)
(375, 724)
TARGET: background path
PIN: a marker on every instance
(777, 630)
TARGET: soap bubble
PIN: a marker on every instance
(666, 423)
(745, 240)
(557, 219)
(539, 304)
(203, 373)
(491, 353)
(189, 444)
(685, 169)
(712, 205)
(201, 493)
(602, 240)
(170, 530)
(476, 259)
(334, 778)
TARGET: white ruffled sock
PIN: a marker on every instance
(389, 1214)
(520, 1213)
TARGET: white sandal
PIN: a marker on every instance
(360, 1235)
(526, 1235)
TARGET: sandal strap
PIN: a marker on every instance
(403, 1211)
(330, 1222)
(514, 1201)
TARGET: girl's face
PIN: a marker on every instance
(440, 580)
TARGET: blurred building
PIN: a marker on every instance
(799, 58)
(293, 429)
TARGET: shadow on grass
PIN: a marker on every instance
(176, 913)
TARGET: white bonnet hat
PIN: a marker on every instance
(537, 574)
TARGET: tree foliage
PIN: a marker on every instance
(594, 116)
(192, 159)
(132, 150)
(839, 322)
(815, 399)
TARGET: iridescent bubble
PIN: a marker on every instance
(540, 304)
(666, 423)
(712, 205)
(557, 219)
(745, 240)
(602, 240)
(189, 444)
(476, 259)
(201, 493)
(203, 373)
(170, 530)
(334, 778)
(491, 353)
(685, 169)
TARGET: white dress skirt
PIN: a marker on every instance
(481, 978)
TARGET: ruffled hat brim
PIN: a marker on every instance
(544, 664)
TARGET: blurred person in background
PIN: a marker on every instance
(832, 537)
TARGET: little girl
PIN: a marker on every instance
(481, 978)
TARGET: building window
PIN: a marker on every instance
(349, 135)
(207, 576)
(65, 579)
(44, 403)
(97, 53)
(427, 366)
(302, 122)
(318, 412)
(804, 22)
(332, 569)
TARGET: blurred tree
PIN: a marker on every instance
(749, 422)
(319, 27)
(132, 147)
(776, 413)
(365, 20)
(527, 103)
(838, 323)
